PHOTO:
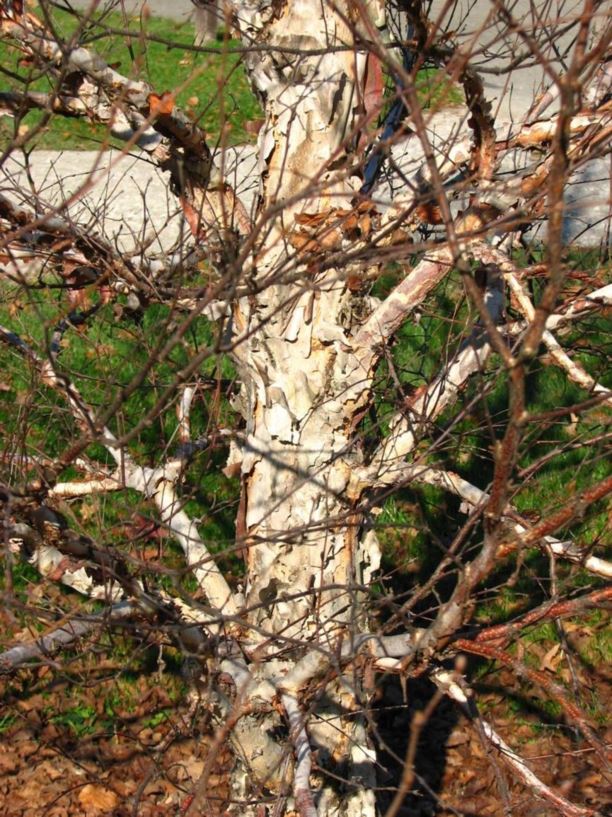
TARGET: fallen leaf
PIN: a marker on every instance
(551, 660)
(9, 762)
(98, 799)
(458, 738)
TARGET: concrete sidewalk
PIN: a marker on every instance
(128, 199)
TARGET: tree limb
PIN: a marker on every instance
(457, 690)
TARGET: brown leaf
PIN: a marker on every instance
(330, 239)
(355, 283)
(98, 799)
(552, 658)
(458, 738)
(161, 105)
(365, 225)
(400, 236)
(535, 135)
(349, 224)
(312, 219)
(366, 206)
(303, 243)
(9, 762)
(429, 213)
(298, 240)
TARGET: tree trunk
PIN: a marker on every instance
(303, 384)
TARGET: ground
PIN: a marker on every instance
(100, 741)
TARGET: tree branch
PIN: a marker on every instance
(478, 500)
(155, 483)
(573, 369)
(387, 318)
(303, 757)
(63, 637)
(457, 690)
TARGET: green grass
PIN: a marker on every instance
(6, 721)
(100, 360)
(414, 524)
(436, 90)
(212, 88)
(80, 719)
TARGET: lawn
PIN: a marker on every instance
(210, 85)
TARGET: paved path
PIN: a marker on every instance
(124, 198)
(127, 198)
(179, 10)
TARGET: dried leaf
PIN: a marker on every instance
(312, 219)
(98, 799)
(303, 243)
(365, 225)
(355, 283)
(400, 236)
(161, 105)
(542, 132)
(552, 658)
(430, 213)
(350, 223)
(298, 240)
(330, 239)
(366, 206)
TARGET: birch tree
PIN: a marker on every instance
(359, 177)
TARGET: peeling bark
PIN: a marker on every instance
(303, 382)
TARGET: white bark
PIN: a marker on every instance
(303, 382)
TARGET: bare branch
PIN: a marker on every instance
(478, 499)
(457, 690)
(158, 484)
(303, 757)
(62, 637)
